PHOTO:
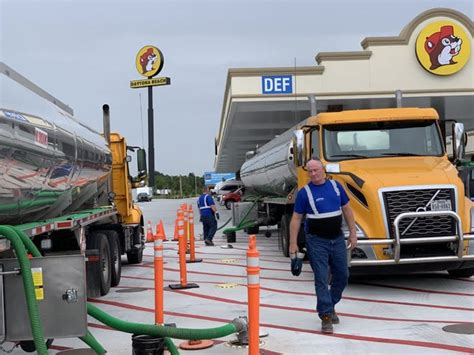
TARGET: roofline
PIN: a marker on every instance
(407, 31)
(356, 55)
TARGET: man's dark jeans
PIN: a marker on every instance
(324, 253)
(209, 225)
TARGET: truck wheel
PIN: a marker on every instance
(285, 235)
(468, 272)
(135, 256)
(116, 256)
(29, 345)
(228, 204)
(98, 240)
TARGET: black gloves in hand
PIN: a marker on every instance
(217, 215)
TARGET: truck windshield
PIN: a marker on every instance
(381, 139)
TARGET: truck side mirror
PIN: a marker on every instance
(298, 147)
(459, 140)
(141, 160)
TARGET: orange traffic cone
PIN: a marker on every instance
(149, 233)
(163, 231)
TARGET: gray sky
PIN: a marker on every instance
(83, 52)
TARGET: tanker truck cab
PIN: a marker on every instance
(408, 200)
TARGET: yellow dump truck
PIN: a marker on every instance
(408, 199)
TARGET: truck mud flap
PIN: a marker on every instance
(93, 273)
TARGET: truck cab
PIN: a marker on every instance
(408, 200)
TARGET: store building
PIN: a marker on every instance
(428, 64)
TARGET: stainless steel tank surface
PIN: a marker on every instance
(50, 163)
(271, 171)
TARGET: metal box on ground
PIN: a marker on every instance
(244, 210)
(60, 287)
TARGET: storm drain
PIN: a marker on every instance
(228, 261)
(459, 328)
(130, 290)
(227, 285)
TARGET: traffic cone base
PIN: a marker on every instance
(196, 344)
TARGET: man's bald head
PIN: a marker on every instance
(316, 171)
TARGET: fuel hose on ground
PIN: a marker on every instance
(163, 331)
(20, 240)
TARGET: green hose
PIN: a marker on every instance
(128, 327)
(160, 331)
(93, 343)
(171, 347)
(226, 223)
(31, 247)
(243, 223)
(25, 266)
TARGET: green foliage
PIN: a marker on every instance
(191, 185)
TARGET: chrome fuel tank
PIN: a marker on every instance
(50, 163)
(271, 171)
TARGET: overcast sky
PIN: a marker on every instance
(83, 52)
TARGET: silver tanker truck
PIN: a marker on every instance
(68, 189)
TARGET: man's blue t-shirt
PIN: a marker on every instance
(203, 201)
(326, 201)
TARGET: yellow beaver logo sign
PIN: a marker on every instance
(149, 61)
(443, 48)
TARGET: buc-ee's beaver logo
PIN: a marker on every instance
(149, 61)
(443, 48)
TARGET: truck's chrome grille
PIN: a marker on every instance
(397, 202)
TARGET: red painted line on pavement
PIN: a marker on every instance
(298, 309)
(371, 300)
(101, 326)
(261, 267)
(415, 343)
(416, 289)
(357, 299)
(59, 347)
(228, 275)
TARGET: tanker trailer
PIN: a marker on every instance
(68, 190)
(270, 178)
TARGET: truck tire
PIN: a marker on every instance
(284, 235)
(115, 257)
(135, 256)
(98, 240)
(228, 204)
(468, 272)
(29, 345)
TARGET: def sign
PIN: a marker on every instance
(277, 84)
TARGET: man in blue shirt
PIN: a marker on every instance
(208, 213)
(324, 202)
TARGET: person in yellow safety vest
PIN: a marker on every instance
(324, 202)
(208, 215)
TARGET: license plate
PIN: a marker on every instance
(441, 205)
